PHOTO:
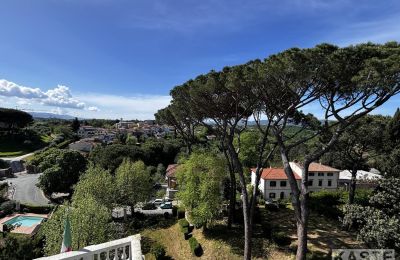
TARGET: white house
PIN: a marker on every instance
(319, 176)
(274, 184)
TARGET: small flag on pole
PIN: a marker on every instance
(67, 238)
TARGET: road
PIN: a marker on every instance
(26, 190)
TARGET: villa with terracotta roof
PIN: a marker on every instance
(275, 185)
(171, 180)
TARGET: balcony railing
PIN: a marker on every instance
(121, 249)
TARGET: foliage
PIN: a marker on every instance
(90, 224)
(379, 223)
(133, 182)
(75, 125)
(158, 251)
(7, 207)
(17, 247)
(200, 179)
(97, 183)
(14, 119)
(111, 156)
(183, 223)
(37, 208)
(195, 247)
(61, 169)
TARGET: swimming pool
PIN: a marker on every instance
(24, 221)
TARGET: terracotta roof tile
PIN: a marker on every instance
(318, 167)
(275, 174)
(171, 169)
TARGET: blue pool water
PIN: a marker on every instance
(24, 221)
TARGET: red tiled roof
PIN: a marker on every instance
(318, 167)
(275, 174)
(171, 169)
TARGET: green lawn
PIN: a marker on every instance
(11, 148)
(220, 243)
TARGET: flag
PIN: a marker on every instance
(67, 238)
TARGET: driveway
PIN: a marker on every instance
(26, 190)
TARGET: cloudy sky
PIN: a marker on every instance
(113, 59)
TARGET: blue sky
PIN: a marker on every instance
(120, 58)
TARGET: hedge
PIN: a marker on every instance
(183, 223)
(158, 251)
(37, 209)
(195, 247)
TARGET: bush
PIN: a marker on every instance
(7, 207)
(181, 213)
(158, 251)
(37, 209)
(183, 223)
(268, 229)
(195, 247)
(281, 239)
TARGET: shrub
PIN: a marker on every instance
(181, 213)
(183, 223)
(195, 247)
(7, 207)
(158, 251)
(36, 209)
(281, 239)
(267, 230)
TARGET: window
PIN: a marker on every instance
(329, 183)
(310, 182)
(310, 174)
(272, 183)
(330, 174)
(320, 174)
(283, 183)
(272, 195)
(320, 183)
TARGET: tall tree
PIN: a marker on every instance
(133, 182)
(200, 181)
(12, 119)
(347, 82)
(75, 125)
(356, 146)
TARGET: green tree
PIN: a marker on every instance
(97, 183)
(356, 146)
(133, 183)
(394, 127)
(75, 125)
(13, 119)
(90, 224)
(200, 181)
(378, 224)
(61, 170)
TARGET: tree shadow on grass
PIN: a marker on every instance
(235, 239)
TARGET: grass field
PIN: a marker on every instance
(221, 243)
(11, 148)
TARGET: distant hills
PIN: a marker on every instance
(50, 115)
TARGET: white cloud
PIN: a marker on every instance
(95, 109)
(130, 107)
(59, 96)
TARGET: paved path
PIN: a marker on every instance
(18, 158)
(26, 190)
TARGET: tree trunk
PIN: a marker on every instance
(248, 231)
(232, 199)
(352, 188)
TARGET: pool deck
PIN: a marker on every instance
(23, 230)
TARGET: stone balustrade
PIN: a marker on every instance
(121, 249)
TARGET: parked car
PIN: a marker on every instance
(166, 205)
(157, 202)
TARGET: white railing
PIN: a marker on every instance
(121, 249)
